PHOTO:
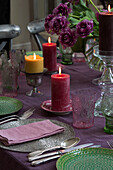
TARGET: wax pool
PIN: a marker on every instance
(49, 54)
(33, 65)
(60, 92)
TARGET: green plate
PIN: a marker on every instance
(9, 105)
(86, 159)
(36, 52)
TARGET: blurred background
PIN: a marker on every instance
(21, 12)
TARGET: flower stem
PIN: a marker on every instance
(94, 5)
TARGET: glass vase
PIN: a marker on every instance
(66, 56)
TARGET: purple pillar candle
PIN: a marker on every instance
(106, 32)
(60, 92)
(49, 54)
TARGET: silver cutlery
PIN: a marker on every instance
(24, 116)
(59, 152)
(37, 162)
(65, 144)
(110, 143)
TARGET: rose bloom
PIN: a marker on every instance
(62, 9)
(58, 23)
(47, 22)
(68, 37)
(84, 28)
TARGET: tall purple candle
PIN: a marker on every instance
(106, 32)
(49, 54)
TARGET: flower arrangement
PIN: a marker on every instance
(73, 25)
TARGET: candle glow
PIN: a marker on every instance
(109, 8)
(49, 40)
(34, 56)
(59, 70)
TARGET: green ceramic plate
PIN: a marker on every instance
(86, 159)
(36, 52)
(9, 105)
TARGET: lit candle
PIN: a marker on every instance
(49, 54)
(106, 31)
(33, 64)
(60, 91)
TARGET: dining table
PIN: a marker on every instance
(81, 76)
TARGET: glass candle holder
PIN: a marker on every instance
(34, 80)
(107, 75)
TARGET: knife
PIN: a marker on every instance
(37, 162)
(32, 158)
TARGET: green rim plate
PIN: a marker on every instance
(86, 159)
(36, 52)
(9, 105)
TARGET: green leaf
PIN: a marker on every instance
(73, 21)
(80, 45)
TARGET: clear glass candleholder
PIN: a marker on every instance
(34, 80)
(107, 75)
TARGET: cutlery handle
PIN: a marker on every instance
(8, 117)
(8, 120)
(34, 163)
(39, 152)
(43, 156)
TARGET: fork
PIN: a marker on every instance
(110, 143)
(24, 116)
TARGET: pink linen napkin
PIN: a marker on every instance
(29, 132)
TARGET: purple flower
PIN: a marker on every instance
(47, 22)
(58, 23)
(68, 37)
(62, 9)
(84, 28)
(74, 2)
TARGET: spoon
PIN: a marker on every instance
(65, 144)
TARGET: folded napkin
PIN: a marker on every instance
(29, 132)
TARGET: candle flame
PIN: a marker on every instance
(34, 56)
(60, 70)
(109, 8)
(49, 39)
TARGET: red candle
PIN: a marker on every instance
(60, 89)
(106, 32)
(49, 54)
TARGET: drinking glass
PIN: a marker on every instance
(83, 104)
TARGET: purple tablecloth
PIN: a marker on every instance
(81, 77)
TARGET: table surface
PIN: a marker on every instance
(81, 77)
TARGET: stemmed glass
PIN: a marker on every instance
(107, 75)
(34, 80)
